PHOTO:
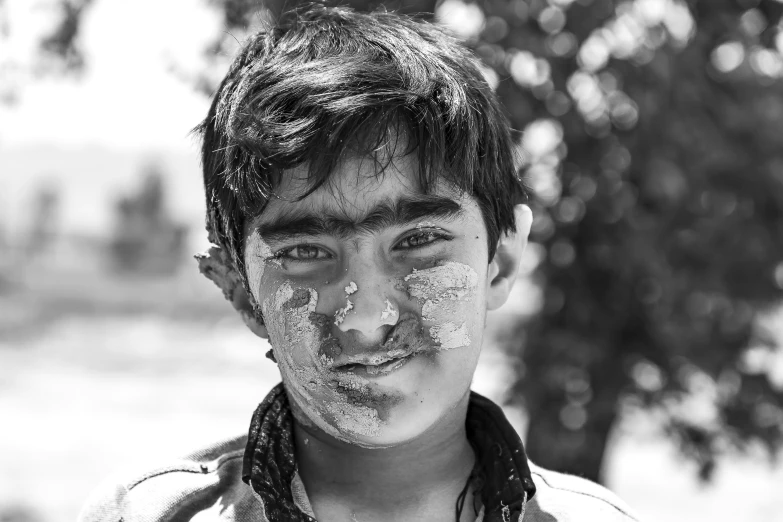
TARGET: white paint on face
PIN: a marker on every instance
(296, 333)
(351, 288)
(353, 419)
(443, 290)
(260, 255)
(450, 281)
(449, 335)
(339, 315)
(287, 316)
(389, 313)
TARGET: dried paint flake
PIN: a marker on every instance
(339, 316)
(351, 288)
(325, 360)
(448, 281)
(439, 289)
(389, 312)
(215, 264)
(260, 254)
(449, 335)
(360, 420)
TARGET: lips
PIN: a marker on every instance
(377, 359)
(372, 370)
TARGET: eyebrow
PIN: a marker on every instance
(404, 211)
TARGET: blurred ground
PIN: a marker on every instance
(98, 373)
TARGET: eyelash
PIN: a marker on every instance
(435, 236)
(284, 254)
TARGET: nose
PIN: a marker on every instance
(370, 305)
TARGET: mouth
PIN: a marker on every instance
(402, 344)
(374, 370)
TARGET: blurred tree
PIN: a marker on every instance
(44, 221)
(61, 45)
(145, 239)
(5, 260)
(653, 140)
(19, 513)
(59, 49)
(653, 145)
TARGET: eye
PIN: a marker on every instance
(302, 253)
(422, 238)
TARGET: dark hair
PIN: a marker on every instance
(312, 87)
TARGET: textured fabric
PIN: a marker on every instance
(205, 486)
(566, 498)
(269, 462)
(501, 459)
(208, 485)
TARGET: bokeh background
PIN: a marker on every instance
(641, 347)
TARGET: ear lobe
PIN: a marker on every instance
(218, 268)
(504, 267)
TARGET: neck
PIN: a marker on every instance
(439, 460)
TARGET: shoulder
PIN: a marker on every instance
(208, 479)
(566, 498)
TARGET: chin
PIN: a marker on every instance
(413, 418)
(401, 429)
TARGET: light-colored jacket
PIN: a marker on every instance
(207, 487)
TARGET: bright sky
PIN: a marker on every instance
(127, 99)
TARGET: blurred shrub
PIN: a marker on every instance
(18, 513)
(145, 238)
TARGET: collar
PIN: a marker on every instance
(270, 465)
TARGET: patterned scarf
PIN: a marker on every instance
(501, 475)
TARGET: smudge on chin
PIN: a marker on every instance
(362, 394)
(443, 292)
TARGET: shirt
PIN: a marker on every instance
(254, 478)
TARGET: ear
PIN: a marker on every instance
(217, 266)
(504, 267)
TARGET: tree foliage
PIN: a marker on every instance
(659, 214)
(145, 238)
(653, 140)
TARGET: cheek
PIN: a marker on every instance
(450, 297)
(292, 331)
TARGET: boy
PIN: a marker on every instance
(366, 213)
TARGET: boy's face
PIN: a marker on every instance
(374, 297)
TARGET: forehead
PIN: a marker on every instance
(355, 188)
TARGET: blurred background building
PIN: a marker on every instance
(641, 347)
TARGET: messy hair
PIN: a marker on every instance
(325, 83)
